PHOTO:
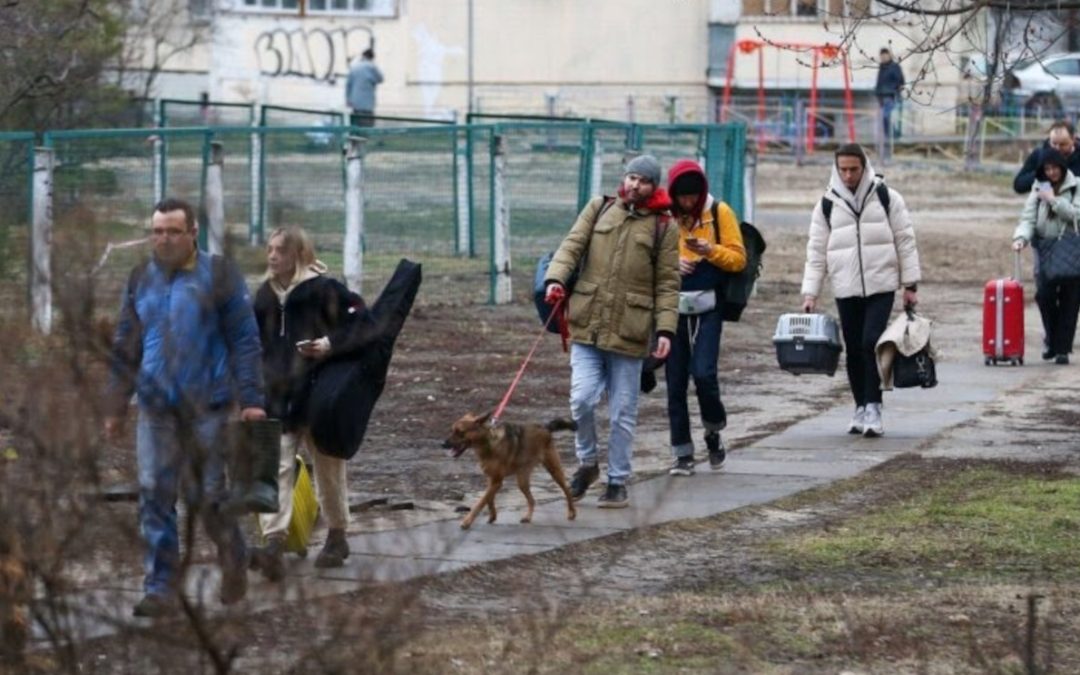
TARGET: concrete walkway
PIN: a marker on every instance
(810, 453)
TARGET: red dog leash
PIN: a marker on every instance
(563, 332)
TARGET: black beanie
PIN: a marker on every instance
(691, 183)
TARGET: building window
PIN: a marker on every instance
(855, 9)
(373, 8)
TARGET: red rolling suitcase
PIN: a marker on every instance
(1003, 320)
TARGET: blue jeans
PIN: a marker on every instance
(595, 371)
(694, 353)
(174, 453)
(888, 103)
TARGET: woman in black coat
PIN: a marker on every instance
(304, 317)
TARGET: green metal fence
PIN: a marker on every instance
(427, 191)
(16, 196)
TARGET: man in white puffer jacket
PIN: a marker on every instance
(861, 238)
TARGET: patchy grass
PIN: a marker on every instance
(980, 519)
(828, 593)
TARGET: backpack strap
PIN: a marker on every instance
(883, 196)
(663, 221)
(882, 191)
(716, 220)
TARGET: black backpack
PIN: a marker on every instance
(735, 288)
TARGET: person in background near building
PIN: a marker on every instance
(628, 287)
(364, 76)
(303, 315)
(187, 344)
(867, 249)
(1061, 137)
(710, 243)
(1052, 206)
(890, 80)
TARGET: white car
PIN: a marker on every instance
(1048, 87)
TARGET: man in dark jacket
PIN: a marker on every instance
(1062, 138)
(187, 344)
(890, 80)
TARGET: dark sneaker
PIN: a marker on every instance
(155, 605)
(683, 466)
(1062, 359)
(583, 478)
(717, 452)
(270, 559)
(614, 497)
(334, 551)
(233, 583)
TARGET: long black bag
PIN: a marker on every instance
(345, 389)
(1059, 257)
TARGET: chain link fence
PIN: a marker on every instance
(425, 193)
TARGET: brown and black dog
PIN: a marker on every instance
(509, 449)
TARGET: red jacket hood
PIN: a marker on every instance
(657, 201)
(684, 167)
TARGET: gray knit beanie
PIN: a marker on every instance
(645, 166)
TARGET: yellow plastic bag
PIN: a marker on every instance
(304, 511)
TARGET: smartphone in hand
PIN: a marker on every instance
(303, 343)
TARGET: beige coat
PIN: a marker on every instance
(621, 295)
(866, 251)
(904, 337)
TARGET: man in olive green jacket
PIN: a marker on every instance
(628, 288)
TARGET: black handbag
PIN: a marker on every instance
(1059, 257)
(254, 451)
(916, 370)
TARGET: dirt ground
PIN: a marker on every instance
(452, 359)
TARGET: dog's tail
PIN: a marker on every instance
(561, 424)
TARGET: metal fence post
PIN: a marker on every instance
(159, 152)
(461, 195)
(501, 291)
(256, 186)
(41, 242)
(596, 173)
(204, 225)
(354, 212)
(215, 199)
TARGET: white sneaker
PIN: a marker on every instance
(858, 421)
(872, 426)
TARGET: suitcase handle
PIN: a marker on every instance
(1016, 265)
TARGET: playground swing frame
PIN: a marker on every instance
(819, 52)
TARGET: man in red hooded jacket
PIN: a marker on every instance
(628, 287)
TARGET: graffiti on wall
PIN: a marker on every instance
(314, 53)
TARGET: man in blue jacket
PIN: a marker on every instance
(187, 344)
(890, 80)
